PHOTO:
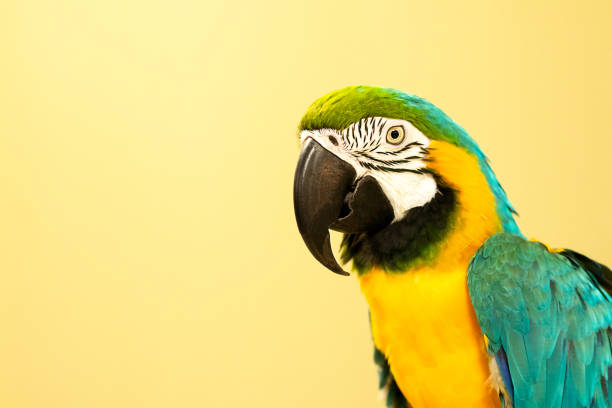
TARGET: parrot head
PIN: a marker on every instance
(389, 170)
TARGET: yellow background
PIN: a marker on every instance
(148, 251)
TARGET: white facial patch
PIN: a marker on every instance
(390, 150)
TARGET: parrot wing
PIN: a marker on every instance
(546, 317)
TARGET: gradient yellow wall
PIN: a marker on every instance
(148, 251)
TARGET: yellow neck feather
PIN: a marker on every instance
(477, 217)
(422, 319)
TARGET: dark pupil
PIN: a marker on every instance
(394, 134)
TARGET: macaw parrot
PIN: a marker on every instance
(464, 310)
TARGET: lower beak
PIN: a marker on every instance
(325, 196)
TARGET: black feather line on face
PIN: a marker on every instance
(371, 166)
(363, 130)
(368, 134)
(390, 162)
(403, 149)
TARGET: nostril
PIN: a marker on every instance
(333, 140)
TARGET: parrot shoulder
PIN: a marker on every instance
(546, 316)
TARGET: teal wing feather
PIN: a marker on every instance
(548, 322)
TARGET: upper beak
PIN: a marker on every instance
(326, 195)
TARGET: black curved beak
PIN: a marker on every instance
(326, 195)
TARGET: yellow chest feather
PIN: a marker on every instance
(423, 319)
(425, 325)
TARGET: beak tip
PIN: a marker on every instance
(342, 272)
(335, 268)
(324, 254)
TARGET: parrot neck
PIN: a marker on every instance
(422, 319)
(469, 207)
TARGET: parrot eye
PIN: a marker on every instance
(395, 135)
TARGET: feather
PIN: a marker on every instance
(550, 316)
